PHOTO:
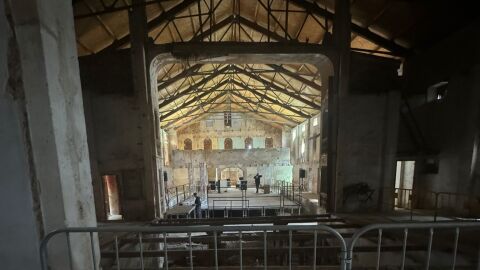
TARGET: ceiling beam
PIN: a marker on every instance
(266, 108)
(361, 31)
(214, 28)
(277, 88)
(295, 76)
(165, 16)
(191, 88)
(297, 112)
(265, 119)
(194, 99)
(185, 73)
(190, 112)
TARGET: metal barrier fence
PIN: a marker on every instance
(419, 228)
(447, 203)
(376, 235)
(142, 234)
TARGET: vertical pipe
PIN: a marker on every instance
(455, 247)
(429, 251)
(379, 247)
(315, 235)
(241, 251)
(142, 265)
(117, 257)
(216, 249)
(404, 251)
(191, 252)
(69, 250)
(290, 249)
(265, 249)
(165, 249)
(92, 247)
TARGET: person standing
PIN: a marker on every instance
(198, 205)
(257, 180)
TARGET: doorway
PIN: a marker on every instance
(404, 183)
(112, 197)
(233, 174)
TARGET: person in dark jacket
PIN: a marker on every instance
(257, 180)
(198, 205)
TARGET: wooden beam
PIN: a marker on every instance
(193, 87)
(194, 99)
(295, 111)
(162, 18)
(277, 88)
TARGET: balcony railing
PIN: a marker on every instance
(436, 245)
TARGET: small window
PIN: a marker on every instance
(227, 119)
(207, 144)
(228, 144)
(187, 144)
(437, 91)
(248, 143)
(268, 142)
(315, 121)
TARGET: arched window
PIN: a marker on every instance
(207, 144)
(248, 143)
(269, 142)
(187, 144)
(228, 144)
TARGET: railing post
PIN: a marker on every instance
(436, 206)
(176, 193)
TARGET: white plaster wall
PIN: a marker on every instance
(46, 38)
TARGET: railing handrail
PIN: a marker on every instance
(346, 248)
(405, 226)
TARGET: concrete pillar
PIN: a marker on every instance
(146, 101)
(389, 150)
(338, 88)
(46, 182)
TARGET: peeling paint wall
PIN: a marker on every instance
(273, 164)
(307, 157)
(213, 128)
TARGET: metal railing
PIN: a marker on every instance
(420, 229)
(378, 238)
(143, 235)
(447, 203)
(181, 193)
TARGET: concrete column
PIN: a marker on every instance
(46, 182)
(138, 30)
(341, 38)
(389, 150)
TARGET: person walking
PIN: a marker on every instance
(198, 205)
(257, 181)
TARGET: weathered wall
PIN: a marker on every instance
(367, 131)
(451, 125)
(273, 164)
(114, 132)
(309, 134)
(364, 130)
(242, 127)
(46, 182)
